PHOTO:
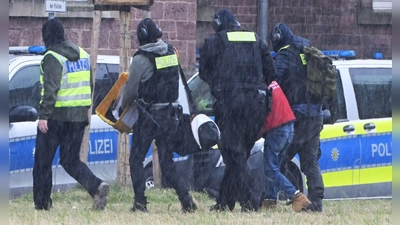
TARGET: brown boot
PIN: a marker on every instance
(299, 202)
(269, 204)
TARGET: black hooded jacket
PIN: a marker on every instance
(290, 72)
(229, 67)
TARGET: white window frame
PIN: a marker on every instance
(382, 5)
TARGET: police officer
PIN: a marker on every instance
(291, 76)
(153, 84)
(63, 116)
(236, 64)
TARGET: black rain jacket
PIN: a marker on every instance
(290, 72)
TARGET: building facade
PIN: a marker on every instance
(329, 24)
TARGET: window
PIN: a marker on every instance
(201, 95)
(25, 88)
(106, 76)
(339, 103)
(382, 5)
(373, 90)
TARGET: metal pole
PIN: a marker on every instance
(263, 19)
(51, 16)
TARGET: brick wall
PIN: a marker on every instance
(176, 18)
(329, 24)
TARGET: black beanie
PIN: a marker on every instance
(52, 33)
(148, 31)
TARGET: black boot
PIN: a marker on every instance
(45, 206)
(250, 206)
(188, 204)
(140, 205)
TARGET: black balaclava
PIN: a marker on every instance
(52, 33)
(280, 36)
(224, 20)
(148, 31)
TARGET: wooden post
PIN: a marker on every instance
(123, 169)
(93, 63)
(157, 174)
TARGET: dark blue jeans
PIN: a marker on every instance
(275, 145)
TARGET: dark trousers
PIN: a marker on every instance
(143, 133)
(306, 143)
(240, 118)
(67, 135)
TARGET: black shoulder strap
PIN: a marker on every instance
(192, 105)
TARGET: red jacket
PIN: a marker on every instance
(281, 112)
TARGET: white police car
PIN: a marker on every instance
(24, 97)
(356, 158)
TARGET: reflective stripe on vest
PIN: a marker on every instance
(166, 61)
(241, 36)
(302, 56)
(75, 82)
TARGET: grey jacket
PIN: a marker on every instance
(140, 70)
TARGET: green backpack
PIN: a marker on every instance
(321, 74)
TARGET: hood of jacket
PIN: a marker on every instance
(52, 33)
(280, 36)
(67, 49)
(286, 37)
(159, 48)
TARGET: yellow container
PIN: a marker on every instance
(128, 118)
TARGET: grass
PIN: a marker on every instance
(74, 207)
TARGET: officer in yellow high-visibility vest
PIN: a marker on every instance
(63, 115)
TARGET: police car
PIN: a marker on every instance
(203, 170)
(24, 97)
(356, 158)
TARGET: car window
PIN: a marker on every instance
(201, 95)
(25, 88)
(106, 76)
(339, 107)
(373, 90)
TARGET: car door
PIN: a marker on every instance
(24, 90)
(340, 145)
(373, 92)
